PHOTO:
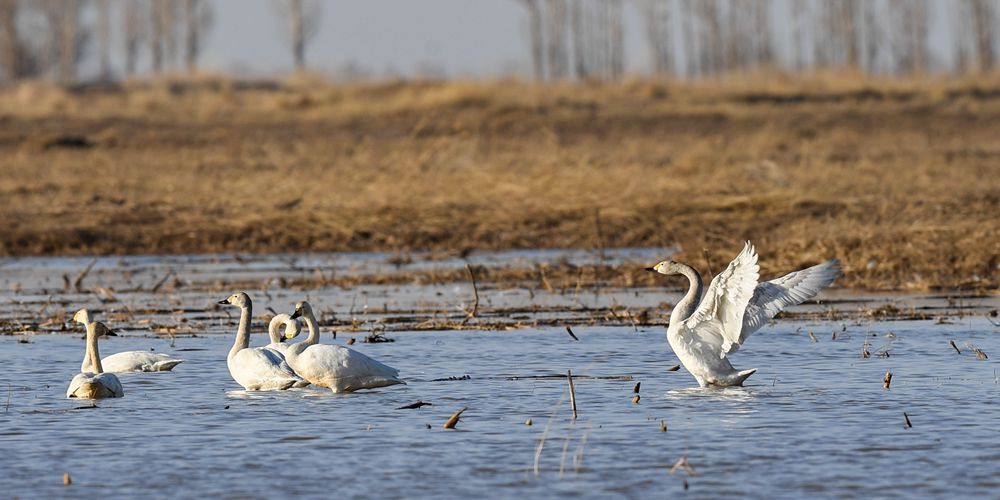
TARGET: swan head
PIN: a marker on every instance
(82, 316)
(238, 299)
(102, 330)
(302, 308)
(292, 328)
(667, 267)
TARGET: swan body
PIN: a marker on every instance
(136, 361)
(94, 384)
(704, 331)
(257, 369)
(337, 368)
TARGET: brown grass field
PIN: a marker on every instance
(898, 179)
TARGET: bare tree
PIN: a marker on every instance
(535, 31)
(104, 37)
(10, 42)
(303, 25)
(198, 19)
(658, 34)
(557, 59)
(133, 24)
(983, 22)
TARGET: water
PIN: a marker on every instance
(814, 420)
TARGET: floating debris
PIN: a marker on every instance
(954, 346)
(865, 353)
(571, 334)
(452, 379)
(663, 426)
(455, 417)
(674, 368)
(682, 464)
(350, 341)
(812, 337)
(906, 421)
(377, 338)
(413, 406)
(887, 380)
(67, 480)
(528, 422)
(635, 399)
(980, 354)
(636, 388)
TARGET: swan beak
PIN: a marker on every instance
(110, 333)
(296, 314)
(224, 301)
(651, 269)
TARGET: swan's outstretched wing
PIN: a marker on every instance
(770, 297)
(719, 318)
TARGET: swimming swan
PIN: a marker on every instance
(703, 331)
(128, 361)
(94, 384)
(335, 367)
(278, 338)
(260, 368)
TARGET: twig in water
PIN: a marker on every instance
(663, 426)
(163, 280)
(572, 392)
(887, 380)
(635, 399)
(636, 388)
(865, 353)
(455, 417)
(475, 290)
(812, 337)
(578, 458)
(415, 405)
(67, 480)
(562, 458)
(989, 317)
(10, 392)
(78, 282)
(906, 421)
(674, 368)
(528, 422)
(682, 464)
(980, 354)
(571, 334)
(953, 346)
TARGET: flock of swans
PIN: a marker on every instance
(704, 329)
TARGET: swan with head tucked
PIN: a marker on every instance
(278, 338)
(260, 368)
(128, 361)
(337, 368)
(94, 384)
(703, 331)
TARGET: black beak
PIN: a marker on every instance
(110, 333)
(651, 269)
(224, 301)
(296, 314)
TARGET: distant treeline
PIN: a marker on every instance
(697, 38)
(568, 39)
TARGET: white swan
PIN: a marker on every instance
(278, 338)
(94, 384)
(335, 367)
(256, 369)
(128, 361)
(703, 331)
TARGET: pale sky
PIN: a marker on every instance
(462, 38)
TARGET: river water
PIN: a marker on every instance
(814, 420)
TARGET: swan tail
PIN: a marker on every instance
(742, 376)
(165, 366)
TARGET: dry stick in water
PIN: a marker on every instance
(954, 346)
(571, 334)
(865, 353)
(455, 417)
(887, 380)
(163, 280)
(78, 282)
(906, 421)
(813, 337)
(572, 392)
(475, 290)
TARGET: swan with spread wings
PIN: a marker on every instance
(703, 331)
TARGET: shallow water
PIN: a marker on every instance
(814, 420)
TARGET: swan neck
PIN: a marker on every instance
(272, 331)
(243, 332)
(95, 356)
(689, 303)
(313, 337)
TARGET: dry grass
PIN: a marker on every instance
(899, 180)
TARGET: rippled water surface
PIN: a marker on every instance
(814, 420)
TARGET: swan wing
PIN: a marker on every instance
(771, 297)
(138, 361)
(262, 369)
(343, 369)
(95, 386)
(717, 322)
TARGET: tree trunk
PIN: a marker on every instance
(191, 38)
